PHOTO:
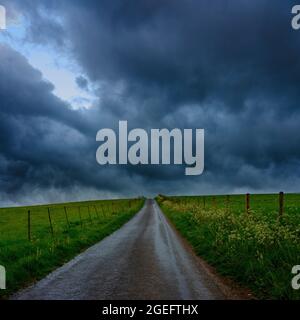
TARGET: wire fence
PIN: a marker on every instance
(33, 223)
(278, 204)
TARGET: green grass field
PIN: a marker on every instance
(29, 256)
(257, 248)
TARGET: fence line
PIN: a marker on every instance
(80, 217)
(281, 203)
(229, 201)
(84, 212)
(67, 218)
(247, 203)
(29, 226)
(50, 222)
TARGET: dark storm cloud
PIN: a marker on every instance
(186, 52)
(230, 67)
(32, 124)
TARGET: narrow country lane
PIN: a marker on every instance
(145, 259)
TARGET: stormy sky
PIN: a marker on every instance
(69, 68)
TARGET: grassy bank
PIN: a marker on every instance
(257, 248)
(36, 240)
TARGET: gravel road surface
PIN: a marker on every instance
(145, 259)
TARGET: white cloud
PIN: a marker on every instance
(55, 67)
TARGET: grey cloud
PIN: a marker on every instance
(82, 82)
(230, 68)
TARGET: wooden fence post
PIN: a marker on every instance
(67, 218)
(96, 212)
(281, 204)
(102, 210)
(89, 211)
(50, 222)
(80, 218)
(29, 226)
(247, 203)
